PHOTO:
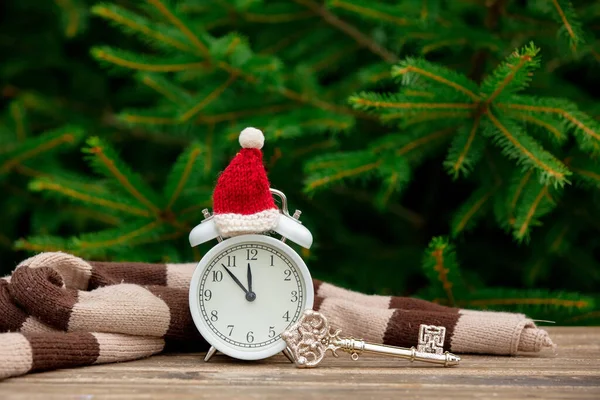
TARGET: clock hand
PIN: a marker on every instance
(249, 278)
(250, 295)
(235, 279)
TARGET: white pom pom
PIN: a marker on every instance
(252, 138)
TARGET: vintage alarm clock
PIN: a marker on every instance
(251, 286)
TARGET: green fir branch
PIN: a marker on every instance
(571, 28)
(414, 145)
(105, 161)
(199, 41)
(206, 99)
(410, 70)
(334, 168)
(165, 87)
(395, 172)
(465, 151)
(277, 13)
(556, 241)
(74, 16)
(586, 170)
(407, 121)
(18, 114)
(349, 30)
(586, 129)
(149, 118)
(119, 60)
(379, 12)
(455, 37)
(472, 210)
(44, 243)
(297, 123)
(549, 123)
(441, 267)
(535, 303)
(387, 103)
(238, 61)
(519, 182)
(111, 240)
(186, 172)
(36, 146)
(512, 76)
(80, 193)
(536, 201)
(154, 34)
(517, 145)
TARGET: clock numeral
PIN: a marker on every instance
(251, 254)
(214, 316)
(272, 265)
(288, 274)
(286, 316)
(207, 295)
(229, 259)
(250, 337)
(294, 296)
(271, 331)
(230, 327)
(217, 276)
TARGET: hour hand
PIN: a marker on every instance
(236, 280)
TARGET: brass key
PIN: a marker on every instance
(309, 339)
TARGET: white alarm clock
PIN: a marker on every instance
(250, 288)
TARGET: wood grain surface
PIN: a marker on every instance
(573, 373)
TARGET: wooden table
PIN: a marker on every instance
(574, 373)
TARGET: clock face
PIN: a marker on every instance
(247, 292)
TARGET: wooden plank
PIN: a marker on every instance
(574, 372)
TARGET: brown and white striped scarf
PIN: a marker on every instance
(58, 310)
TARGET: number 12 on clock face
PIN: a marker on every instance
(246, 292)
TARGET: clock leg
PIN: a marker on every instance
(286, 352)
(211, 352)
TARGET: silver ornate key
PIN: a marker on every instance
(309, 339)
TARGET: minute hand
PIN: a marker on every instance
(235, 279)
(249, 278)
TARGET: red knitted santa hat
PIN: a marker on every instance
(242, 201)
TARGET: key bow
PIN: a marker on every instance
(310, 338)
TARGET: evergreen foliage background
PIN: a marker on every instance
(441, 149)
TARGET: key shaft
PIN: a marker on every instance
(356, 347)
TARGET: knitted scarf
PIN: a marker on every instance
(58, 311)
